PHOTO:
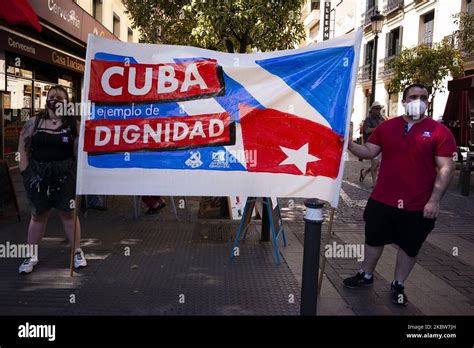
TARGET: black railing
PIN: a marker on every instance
(366, 16)
(365, 73)
(384, 66)
(453, 41)
(393, 5)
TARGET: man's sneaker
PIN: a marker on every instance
(397, 294)
(358, 280)
(28, 265)
(79, 259)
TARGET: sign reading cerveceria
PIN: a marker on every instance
(23, 46)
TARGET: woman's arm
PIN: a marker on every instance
(24, 145)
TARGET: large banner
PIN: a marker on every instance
(175, 120)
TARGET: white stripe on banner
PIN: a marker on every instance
(272, 92)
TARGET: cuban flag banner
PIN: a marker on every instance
(175, 120)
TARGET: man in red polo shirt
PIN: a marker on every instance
(417, 166)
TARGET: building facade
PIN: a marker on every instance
(32, 62)
(407, 23)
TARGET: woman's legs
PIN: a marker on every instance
(36, 231)
(68, 223)
(37, 227)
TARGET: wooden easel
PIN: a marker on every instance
(273, 215)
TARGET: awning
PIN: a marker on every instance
(19, 12)
(457, 115)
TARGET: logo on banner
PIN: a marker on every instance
(219, 160)
(194, 161)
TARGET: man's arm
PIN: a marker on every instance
(446, 168)
(366, 151)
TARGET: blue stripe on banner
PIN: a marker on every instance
(206, 158)
(114, 57)
(321, 77)
(116, 112)
(236, 94)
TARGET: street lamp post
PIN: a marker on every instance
(377, 24)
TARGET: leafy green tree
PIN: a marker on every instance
(465, 34)
(427, 65)
(224, 25)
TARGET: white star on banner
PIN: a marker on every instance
(300, 158)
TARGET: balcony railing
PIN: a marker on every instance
(393, 5)
(366, 16)
(365, 73)
(453, 41)
(384, 67)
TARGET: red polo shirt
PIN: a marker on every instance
(408, 169)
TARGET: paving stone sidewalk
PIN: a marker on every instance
(183, 267)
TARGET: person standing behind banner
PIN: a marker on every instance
(370, 123)
(417, 167)
(154, 204)
(48, 145)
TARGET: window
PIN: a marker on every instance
(116, 25)
(97, 9)
(469, 7)
(428, 26)
(315, 5)
(392, 104)
(130, 35)
(393, 42)
(369, 49)
(370, 4)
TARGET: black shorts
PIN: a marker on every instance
(40, 199)
(387, 225)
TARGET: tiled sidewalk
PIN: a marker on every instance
(183, 267)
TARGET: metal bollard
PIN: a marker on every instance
(312, 246)
(465, 180)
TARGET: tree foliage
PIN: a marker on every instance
(225, 25)
(427, 65)
(465, 34)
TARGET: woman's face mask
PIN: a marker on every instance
(55, 102)
(415, 109)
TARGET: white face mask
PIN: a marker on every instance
(415, 109)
